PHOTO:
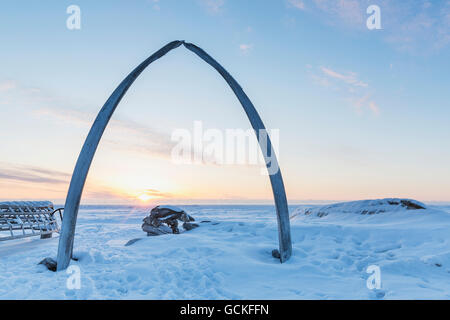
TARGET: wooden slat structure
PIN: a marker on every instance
(22, 219)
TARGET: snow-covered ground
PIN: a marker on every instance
(230, 257)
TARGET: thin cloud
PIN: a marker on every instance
(44, 179)
(155, 4)
(357, 91)
(350, 12)
(127, 135)
(374, 107)
(67, 115)
(104, 193)
(17, 94)
(213, 6)
(298, 4)
(349, 77)
(28, 178)
(156, 193)
(418, 29)
(245, 48)
(7, 85)
(360, 104)
(407, 26)
(31, 174)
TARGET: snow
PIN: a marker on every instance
(363, 207)
(34, 204)
(173, 208)
(230, 256)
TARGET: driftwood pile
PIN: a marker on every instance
(164, 220)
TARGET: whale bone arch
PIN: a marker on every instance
(66, 240)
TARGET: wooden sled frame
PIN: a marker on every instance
(23, 219)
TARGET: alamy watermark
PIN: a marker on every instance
(226, 147)
(374, 280)
(73, 282)
(374, 20)
(73, 22)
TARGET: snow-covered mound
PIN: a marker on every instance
(363, 207)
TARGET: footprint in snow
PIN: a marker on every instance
(377, 294)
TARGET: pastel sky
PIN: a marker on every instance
(361, 113)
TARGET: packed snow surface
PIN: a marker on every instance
(229, 257)
(173, 208)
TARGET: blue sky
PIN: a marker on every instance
(362, 113)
